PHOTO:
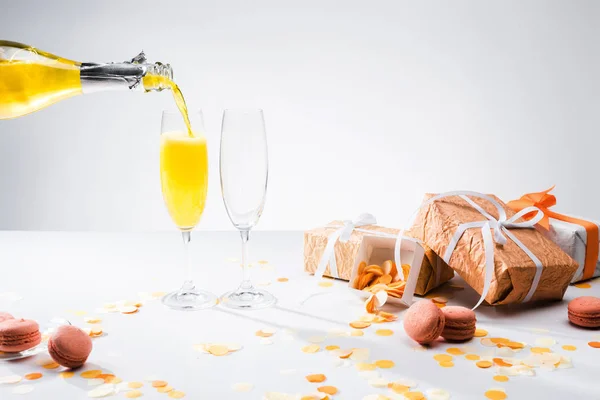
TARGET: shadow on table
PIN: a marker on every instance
(245, 315)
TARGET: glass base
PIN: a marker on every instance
(248, 299)
(189, 300)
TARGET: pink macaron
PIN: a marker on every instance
(69, 346)
(460, 324)
(424, 322)
(585, 312)
(19, 335)
(4, 316)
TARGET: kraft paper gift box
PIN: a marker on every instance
(498, 253)
(343, 252)
(577, 237)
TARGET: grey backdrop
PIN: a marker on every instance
(368, 105)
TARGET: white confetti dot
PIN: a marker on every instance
(10, 379)
(437, 394)
(102, 391)
(545, 342)
(95, 381)
(378, 382)
(23, 389)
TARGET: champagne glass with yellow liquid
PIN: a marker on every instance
(184, 181)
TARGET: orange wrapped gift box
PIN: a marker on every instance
(575, 236)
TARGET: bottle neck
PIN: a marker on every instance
(136, 74)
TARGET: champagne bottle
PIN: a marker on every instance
(31, 79)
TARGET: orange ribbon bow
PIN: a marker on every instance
(544, 200)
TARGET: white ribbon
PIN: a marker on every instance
(501, 228)
(343, 235)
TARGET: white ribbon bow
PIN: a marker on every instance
(501, 228)
(342, 234)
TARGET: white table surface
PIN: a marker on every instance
(54, 274)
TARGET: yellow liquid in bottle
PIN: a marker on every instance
(184, 176)
(28, 86)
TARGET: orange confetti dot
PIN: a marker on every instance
(385, 364)
(332, 347)
(595, 345)
(343, 353)
(484, 364)
(440, 299)
(282, 279)
(106, 377)
(514, 345)
(263, 334)
(164, 389)
(362, 366)
(472, 357)
(51, 365)
(455, 351)
(501, 378)
(480, 332)
(446, 364)
(360, 324)
(357, 332)
(316, 378)
(501, 363)
(495, 395)
(114, 380)
(157, 384)
(499, 340)
(582, 285)
(135, 385)
(442, 358)
(384, 332)
(218, 350)
(397, 388)
(386, 316)
(311, 348)
(326, 284)
(133, 394)
(569, 347)
(540, 350)
(90, 374)
(33, 376)
(331, 390)
(176, 394)
(129, 310)
(66, 374)
(414, 395)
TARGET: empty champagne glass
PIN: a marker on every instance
(244, 169)
(184, 181)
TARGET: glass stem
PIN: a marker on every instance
(246, 284)
(188, 284)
